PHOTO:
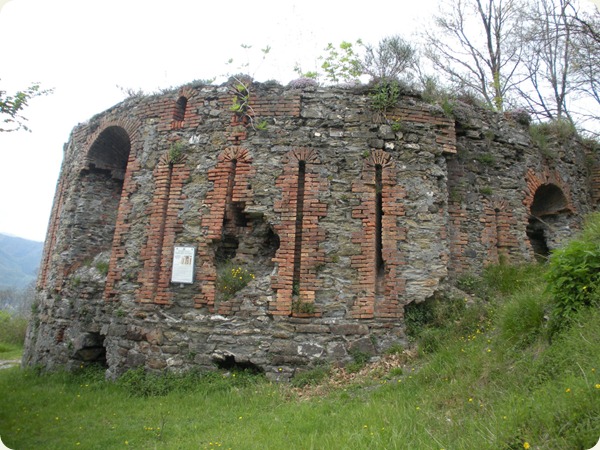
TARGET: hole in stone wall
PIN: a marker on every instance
(227, 248)
(537, 238)
(270, 244)
(110, 151)
(549, 202)
(548, 199)
(180, 106)
(228, 362)
(91, 350)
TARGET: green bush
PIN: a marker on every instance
(574, 275)
(12, 328)
(231, 279)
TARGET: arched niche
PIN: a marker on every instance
(110, 152)
(548, 199)
(180, 107)
(99, 193)
(548, 211)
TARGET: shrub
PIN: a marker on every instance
(231, 279)
(12, 328)
(574, 275)
(393, 57)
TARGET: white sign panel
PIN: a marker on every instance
(183, 265)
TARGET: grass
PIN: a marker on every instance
(482, 375)
(10, 351)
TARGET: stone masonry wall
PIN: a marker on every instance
(343, 216)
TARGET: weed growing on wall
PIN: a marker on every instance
(176, 153)
(231, 279)
(385, 95)
(302, 307)
(558, 130)
(102, 267)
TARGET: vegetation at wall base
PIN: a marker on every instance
(482, 374)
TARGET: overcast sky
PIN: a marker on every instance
(86, 49)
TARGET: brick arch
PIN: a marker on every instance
(128, 132)
(129, 125)
(299, 253)
(380, 282)
(379, 157)
(164, 223)
(547, 199)
(308, 155)
(181, 107)
(112, 132)
(536, 180)
(225, 203)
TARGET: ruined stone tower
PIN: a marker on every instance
(335, 214)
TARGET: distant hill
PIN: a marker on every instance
(19, 261)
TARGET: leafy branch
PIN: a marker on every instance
(240, 89)
(11, 107)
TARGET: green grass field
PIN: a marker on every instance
(483, 374)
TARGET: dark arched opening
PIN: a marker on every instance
(179, 111)
(91, 350)
(549, 202)
(100, 186)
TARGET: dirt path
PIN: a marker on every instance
(8, 363)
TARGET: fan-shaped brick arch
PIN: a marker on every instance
(551, 183)
(181, 107)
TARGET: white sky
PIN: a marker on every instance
(84, 49)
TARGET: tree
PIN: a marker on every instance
(341, 63)
(391, 59)
(547, 39)
(586, 63)
(12, 106)
(473, 43)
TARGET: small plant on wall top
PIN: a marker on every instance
(231, 279)
(385, 96)
(240, 102)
